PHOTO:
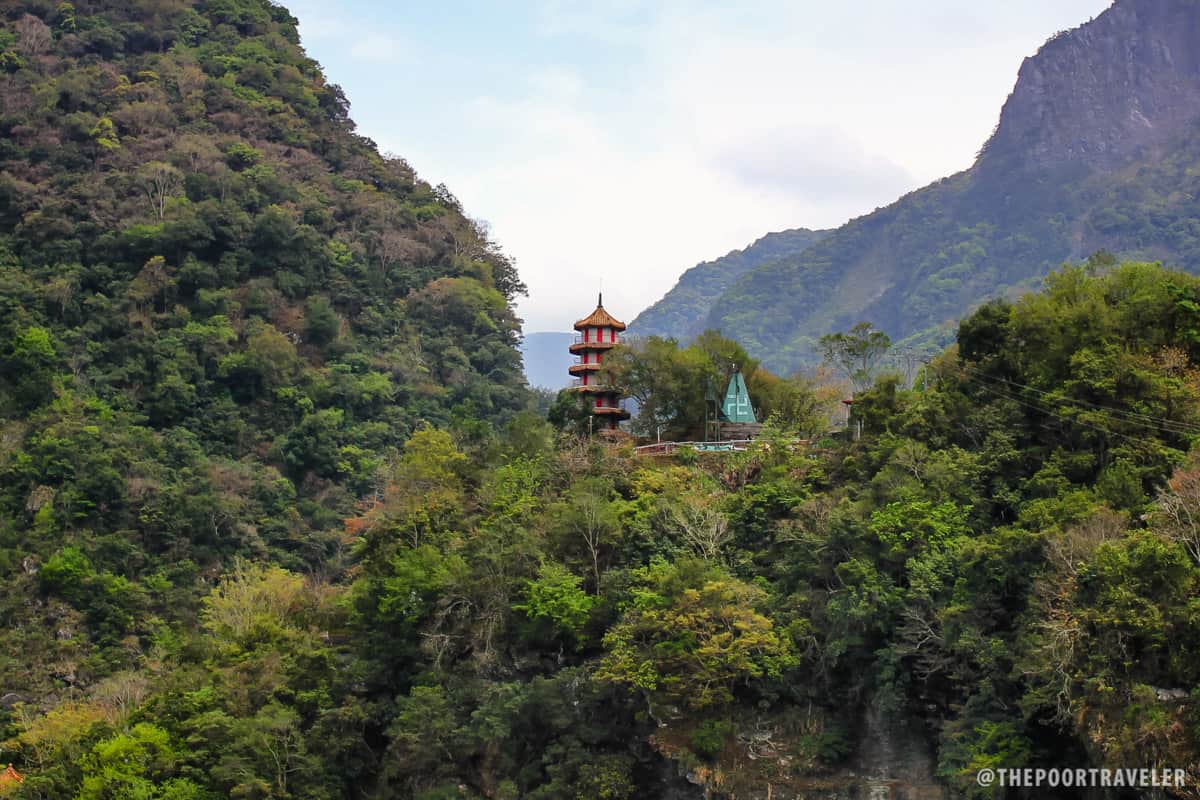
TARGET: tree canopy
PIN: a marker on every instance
(278, 519)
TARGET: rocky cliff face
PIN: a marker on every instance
(1108, 91)
(892, 760)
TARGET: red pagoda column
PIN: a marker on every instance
(597, 334)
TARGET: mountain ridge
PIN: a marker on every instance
(1040, 193)
(698, 287)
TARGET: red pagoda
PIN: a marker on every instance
(597, 335)
(9, 777)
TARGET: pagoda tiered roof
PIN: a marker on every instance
(600, 318)
(10, 776)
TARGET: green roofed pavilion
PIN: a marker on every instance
(737, 408)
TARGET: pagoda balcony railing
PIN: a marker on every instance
(620, 404)
(580, 340)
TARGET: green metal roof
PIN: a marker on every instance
(737, 407)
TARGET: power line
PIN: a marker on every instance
(1183, 426)
(1159, 426)
(1035, 406)
(1032, 405)
(1130, 417)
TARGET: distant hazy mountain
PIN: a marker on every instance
(546, 358)
(681, 313)
(1097, 148)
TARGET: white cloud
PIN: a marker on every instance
(582, 211)
(629, 140)
(816, 165)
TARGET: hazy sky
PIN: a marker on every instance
(622, 142)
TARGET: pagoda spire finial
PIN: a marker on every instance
(600, 300)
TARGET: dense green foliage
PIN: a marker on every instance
(1008, 555)
(679, 390)
(222, 314)
(682, 312)
(276, 521)
(856, 352)
(222, 311)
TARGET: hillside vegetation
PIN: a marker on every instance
(1003, 568)
(681, 313)
(222, 314)
(916, 266)
(207, 276)
(276, 523)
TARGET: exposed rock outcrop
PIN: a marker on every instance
(1108, 91)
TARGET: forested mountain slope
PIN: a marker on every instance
(1095, 149)
(203, 266)
(273, 523)
(682, 311)
(222, 314)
